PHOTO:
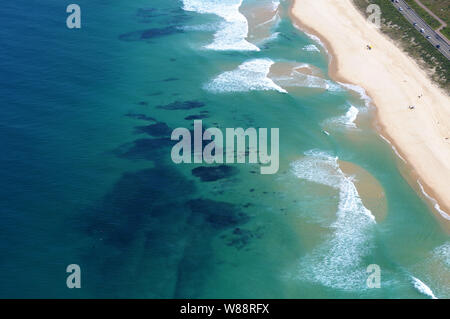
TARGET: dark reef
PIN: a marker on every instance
(214, 173)
(182, 105)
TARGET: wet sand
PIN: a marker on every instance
(369, 189)
(261, 18)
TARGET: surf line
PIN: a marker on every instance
(393, 148)
(213, 152)
(434, 201)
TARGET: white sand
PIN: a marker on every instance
(394, 81)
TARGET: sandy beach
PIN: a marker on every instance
(394, 81)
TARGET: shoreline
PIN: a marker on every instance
(395, 123)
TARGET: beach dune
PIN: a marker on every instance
(394, 81)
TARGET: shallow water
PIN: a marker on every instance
(87, 177)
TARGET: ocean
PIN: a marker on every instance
(87, 176)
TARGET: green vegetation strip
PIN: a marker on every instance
(441, 8)
(446, 32)
(432, 22)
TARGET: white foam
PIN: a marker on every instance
(272, 37)
(361, 91)
(318, 167)
(350, 116)
(249, 76)
(443, 253)
(348, 119)
(299, 79)
(275, 4)
(434, 201)
(233, 31)
(422, 288)
(311, 48)
(272, 23)
(200, 27)
(316, 39)
(393, 148)
(337, 263)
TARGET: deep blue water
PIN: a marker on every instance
(57, 126)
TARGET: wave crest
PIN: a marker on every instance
(233, 31)
(337, 263)
(249, 76)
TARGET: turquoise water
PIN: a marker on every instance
(87, 177)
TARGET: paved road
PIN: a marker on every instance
(413, 17)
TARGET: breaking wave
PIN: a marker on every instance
(311, 48)
(443, 253)
(299, 79)
(422, 288)
(361, 91)
(233, 31)
(249, 76)
(348, 119)
(337, 263)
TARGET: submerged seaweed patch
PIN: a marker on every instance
(146, 148)
(182, 105)
(214, 173)
(196, 117)
(240, 238)
(159, 32)
(136, 197)
(162, 16)
(170, 79)
(142, 217)
(149, 34)
(140, 116)
(134, 214)
(218, 214)
(158, 129)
